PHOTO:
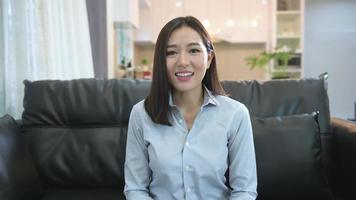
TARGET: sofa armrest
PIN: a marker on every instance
(18, 176)
(343, 158)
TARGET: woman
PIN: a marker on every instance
(186, 135)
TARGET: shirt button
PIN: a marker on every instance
(189, 189)
(188, 168)
(180, 121)
(187, 144)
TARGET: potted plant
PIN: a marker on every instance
(280, 57)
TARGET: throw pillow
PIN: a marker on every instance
(288, 155)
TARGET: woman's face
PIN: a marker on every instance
(187, 60)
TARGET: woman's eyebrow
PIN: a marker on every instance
(171, 46)
(194, 44)
(176, 46)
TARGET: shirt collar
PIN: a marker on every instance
(209, 98)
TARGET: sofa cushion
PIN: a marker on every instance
(79, 156)
(18, 176)
(283, 97)
(288, 158)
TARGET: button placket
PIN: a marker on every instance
(188, 171)
(180, 121)
(188, 146)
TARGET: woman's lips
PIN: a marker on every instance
(184, 76)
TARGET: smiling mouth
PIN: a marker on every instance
(184, 74)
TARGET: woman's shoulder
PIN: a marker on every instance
(138, 109)
(230, 104)
(138, 113)
(139, 105)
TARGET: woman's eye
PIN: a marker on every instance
(195, 50)
(170, 53)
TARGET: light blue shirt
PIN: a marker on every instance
(170, 162)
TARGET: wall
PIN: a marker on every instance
(330, 46)
(230, 59)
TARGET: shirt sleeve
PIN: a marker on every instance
(137, 172)
(242, 160)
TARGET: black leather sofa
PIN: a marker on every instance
(70, 142)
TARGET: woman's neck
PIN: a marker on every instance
(189, 100)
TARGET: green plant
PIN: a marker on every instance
(144, 61)
(280, 56)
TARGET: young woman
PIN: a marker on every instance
(186, 137)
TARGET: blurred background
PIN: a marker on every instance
(65, 39)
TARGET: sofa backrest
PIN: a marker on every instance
(76, 130)
(283, 97)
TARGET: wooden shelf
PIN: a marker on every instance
(282, 37)
(288, 13)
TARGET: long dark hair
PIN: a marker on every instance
(157, 101)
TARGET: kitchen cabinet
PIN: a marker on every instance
(251, 19)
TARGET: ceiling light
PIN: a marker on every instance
(254, 24)
(179, 4)
(230, 23)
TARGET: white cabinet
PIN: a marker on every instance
(287, 30)
(259, 20)
(251, 22)
(250, 18)
(144, 32)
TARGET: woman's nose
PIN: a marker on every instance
(183, 60)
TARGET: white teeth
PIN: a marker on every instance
(184, 74)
